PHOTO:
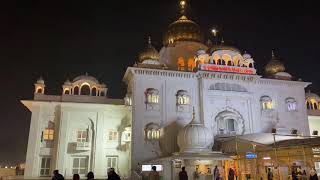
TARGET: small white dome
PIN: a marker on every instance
(194, 137)
(201, 52)
(40, 81)
(310, 95)
(283, 74)
(68, 82)
(246, 56)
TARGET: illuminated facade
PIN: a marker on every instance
(79, 131)
(183, 105)
(229, 99)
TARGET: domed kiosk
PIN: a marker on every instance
(195, 141)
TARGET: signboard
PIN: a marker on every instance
(148, 167)
(250, 155)
(229, 69)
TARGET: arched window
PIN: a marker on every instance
(152, 132)
(315, 106)
(223, 62)
(229, 63)
(183, 97)
(308, 105)
(67, 91)
(180, 64)
(266, 102)
(231, 125)
(76, 90)
(94, 91)
(291, 104)
(39, 90)
(85, 89)
(219, 62)
(191, 64)
(250, 65)
(152, 96)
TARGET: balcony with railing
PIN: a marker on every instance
(83, 146)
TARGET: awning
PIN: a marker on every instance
(280, 140)
(212, 155)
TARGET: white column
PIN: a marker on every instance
(32, 159)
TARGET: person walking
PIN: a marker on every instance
(90, 176)
(76, 177)
(270, 175)
(216, 173)
(112, 175)
(231, 174)
(183, 174)
(313, 174)
(57, 176)
(154, 175)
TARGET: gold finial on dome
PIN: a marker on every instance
(183, 4)
(150, 53)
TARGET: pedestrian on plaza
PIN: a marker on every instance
(112, 175)
(294, 174)
(304, 175)
(270, 175)
(196, 174)
(313, 174)
(57, 176)
(154, 175)
(90, 176)
(183, 174)
(216, 173)
(76, 177)
(231, 174)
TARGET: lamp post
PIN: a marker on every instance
(275, 152)
(214, 32)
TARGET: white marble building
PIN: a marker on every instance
(218, 81)
(78, 131)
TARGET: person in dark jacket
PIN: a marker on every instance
(313, 174)
(270, 175)
(76, 177)
(112, 175)
(57, 176)
(231, 174)
(183, 174)
(90, 176)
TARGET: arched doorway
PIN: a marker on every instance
(229, 122)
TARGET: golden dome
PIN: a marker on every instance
(182, 30)
(274, 66)
(150, 53)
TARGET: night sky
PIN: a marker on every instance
(60, 40)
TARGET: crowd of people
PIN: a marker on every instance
(298, 174)
(112, 175)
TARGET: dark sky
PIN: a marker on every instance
(61, 39)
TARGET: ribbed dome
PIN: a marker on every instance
(150, 53)
(194, 137)
(86, 77)
(310, 95)
(67, 82)
(223, 47)
(274, 66)
(40, 81)
(182, 30)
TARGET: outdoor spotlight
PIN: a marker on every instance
(315, 133)
(214, 31)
